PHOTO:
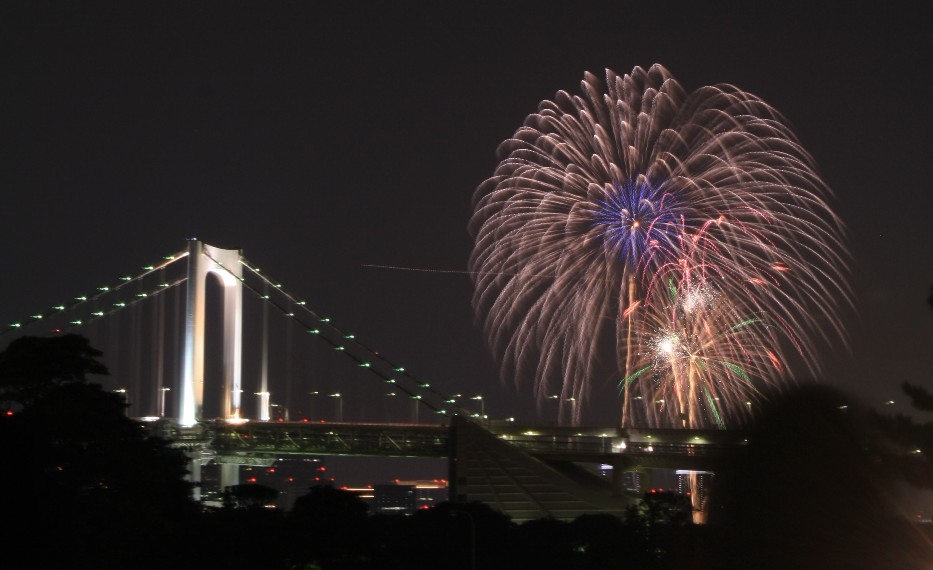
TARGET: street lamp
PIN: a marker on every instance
(126, 402)
(391, 395)
(314, 394)
(415, 406)
(264, 413)
(339, 405)
(573, 410)
(237, 404)
(162, 401)
(556, 400)
(482, 405)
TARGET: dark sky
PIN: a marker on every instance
(323, 139)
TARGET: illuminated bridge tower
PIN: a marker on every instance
(203, 260)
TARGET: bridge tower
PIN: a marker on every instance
(203, 260)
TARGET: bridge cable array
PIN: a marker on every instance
(440, 402)
(103, 291)
(421, 387)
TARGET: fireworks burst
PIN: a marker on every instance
(642, 219)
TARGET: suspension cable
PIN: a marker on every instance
(416, 392)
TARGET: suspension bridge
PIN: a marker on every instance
(225, 362)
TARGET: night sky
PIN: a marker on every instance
(324, 141)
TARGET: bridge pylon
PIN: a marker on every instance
(204, 260)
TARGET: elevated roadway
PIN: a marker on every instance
(525, 471)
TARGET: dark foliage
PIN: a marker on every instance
(94, 485)
(460, 535)
(31, 366)
(920, 398)
(602, 541)
(327, 527)
(809, 492)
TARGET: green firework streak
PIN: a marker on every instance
(672, 290)
(632, 377)
(737, 370)
(711, 402)
(745, 323)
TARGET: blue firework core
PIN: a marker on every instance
(633, 218)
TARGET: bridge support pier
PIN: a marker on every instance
(229, 475)
(194, 475)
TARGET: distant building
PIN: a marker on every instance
(365, 494)
(406, 497)
(631, 482)
(392, 499)
(428, 492)
(704, 480)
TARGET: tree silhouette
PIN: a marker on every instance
(810, 491)
(327, 527)
(98, 484)
(913, 441)
(544, 544)
(654, 526)
(920, 398)
(461, 535)
(32, 366)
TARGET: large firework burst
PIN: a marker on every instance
(610, 208)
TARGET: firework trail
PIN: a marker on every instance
(610, 208)
(697, 349)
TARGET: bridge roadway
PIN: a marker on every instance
(525, 471)
(260, 443)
